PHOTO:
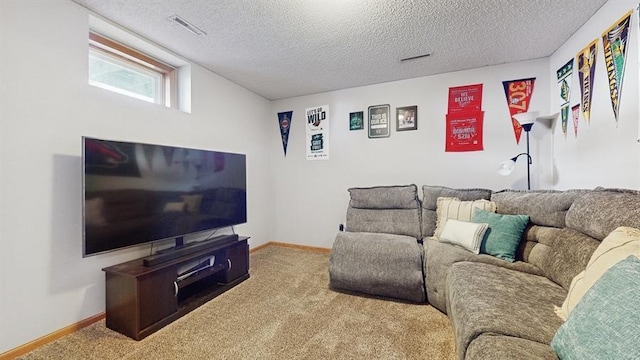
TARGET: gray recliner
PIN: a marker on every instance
(379, 253)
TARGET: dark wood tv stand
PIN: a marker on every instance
(142, 299)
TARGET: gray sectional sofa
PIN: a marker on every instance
(499, 309)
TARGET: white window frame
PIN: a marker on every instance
(127, 57)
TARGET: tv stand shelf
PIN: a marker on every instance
(142, 299)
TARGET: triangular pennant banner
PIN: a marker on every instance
(575, 112)
(586, 60)
(564, 80)
(284, 121)
(614, 41)
(518, 93)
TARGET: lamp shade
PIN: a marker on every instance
(526, 118)
(506, 167)
(547, 120)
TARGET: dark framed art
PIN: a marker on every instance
(407, 118)
(379, 121)
(356, 120)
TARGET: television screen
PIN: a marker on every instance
(136, 193)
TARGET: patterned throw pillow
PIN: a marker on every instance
(606, 322)
(452, 208)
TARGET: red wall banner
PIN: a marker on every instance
(464, 131)
(466, 98)
(464, 119)
(518, 93)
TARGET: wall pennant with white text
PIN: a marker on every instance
(518, 93)
(317, 132)
(586, 61)
(284, 121)
(614, 42)
(564, 81)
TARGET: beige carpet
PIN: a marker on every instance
(284, 311)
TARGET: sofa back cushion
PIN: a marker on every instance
(430, 199)
(544, 207)
(385, 209)
(559, 252)
(601, 211)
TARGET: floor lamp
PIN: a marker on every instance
(525, 120)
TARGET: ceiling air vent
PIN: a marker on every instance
(187, 25)
(415, 57)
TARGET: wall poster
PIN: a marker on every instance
(464, 119)
(407, 118)
(317, 132)
(356, 120)
(466, 98)
(464, 131)
(379, 121)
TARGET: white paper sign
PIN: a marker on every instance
(317, 132)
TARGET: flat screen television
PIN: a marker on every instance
(135, 193)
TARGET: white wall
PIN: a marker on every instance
(312, 195)
(603, 154)
(47, 106)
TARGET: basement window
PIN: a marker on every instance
(124, 70)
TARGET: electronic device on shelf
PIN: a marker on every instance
(191, 248)
(136, 193)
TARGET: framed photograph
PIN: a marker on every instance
(356, 120)
(379, 121)
(407, 118)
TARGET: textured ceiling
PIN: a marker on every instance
(286, 48)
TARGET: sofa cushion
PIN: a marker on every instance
(388, 221)
(377, 264)
(598, 213)
(431, 195)
(453, 208)
(464, 233)
(483, 299)
(544, 207)
(504, 234)
(496, 347)
(384, 197)
(605, 324)
(391, 210)
(622, 242)
(560, 253)
(438, 258)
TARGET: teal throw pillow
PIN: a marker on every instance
(606, 322)
(503, 236)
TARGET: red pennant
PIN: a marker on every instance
(518, 93)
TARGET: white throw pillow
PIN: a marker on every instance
(452, 208)
(617, 246)
(463, 233)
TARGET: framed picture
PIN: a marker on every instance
(356, 120)
(379, 121)
(407, 118)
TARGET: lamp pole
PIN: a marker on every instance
(528, 164)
